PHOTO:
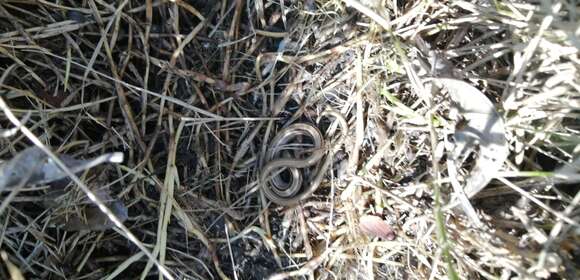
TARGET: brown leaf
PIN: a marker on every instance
(375, 226)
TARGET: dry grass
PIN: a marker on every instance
(193, 91)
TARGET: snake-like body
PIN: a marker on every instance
(291, 192)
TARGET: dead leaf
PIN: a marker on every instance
(13, 170)
(375, 226)
(483, 127)
(33, 166)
